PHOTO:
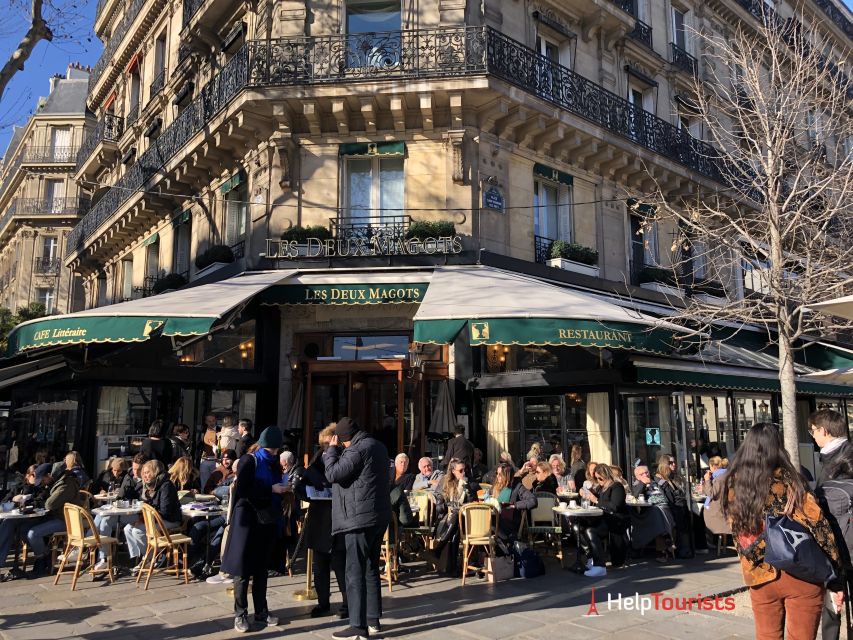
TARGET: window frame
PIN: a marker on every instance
(565, 198)
(236, 199)
(375, 212)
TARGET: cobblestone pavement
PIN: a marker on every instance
(422, 606)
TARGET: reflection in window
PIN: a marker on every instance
(47, 421)
(124, 411)
(370, 347)
(226, 349)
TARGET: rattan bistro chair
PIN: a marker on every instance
(544, 524)
(478, 524)
(389, 553)
(78, 523)
(174, 545)
(426, 515)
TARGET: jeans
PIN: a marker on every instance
(787, 606)
(135, 536)
(107, 526)
(364, 594)
(36, 535)
(199, 533)
(9, 532)
(324, 564)
(259, 594)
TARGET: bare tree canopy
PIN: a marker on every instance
(779, 239)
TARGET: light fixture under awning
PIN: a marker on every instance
(500, 307)
(187, 312)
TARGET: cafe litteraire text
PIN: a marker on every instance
(59, 333)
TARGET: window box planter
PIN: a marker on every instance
(576, 267)
(213, 266)
(706, 298)
(665, 289)
(214, 258)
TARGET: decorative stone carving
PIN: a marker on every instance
(456, 146)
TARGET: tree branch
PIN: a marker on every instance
(38, 31)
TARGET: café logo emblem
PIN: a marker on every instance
(479, 330)
(151, 326)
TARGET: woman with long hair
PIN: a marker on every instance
(454, 491)
(612, 525)
(672, 486)
(184, 475)
(577, 466)
(761, 480)
(512, 498)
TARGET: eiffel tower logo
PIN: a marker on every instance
(795, 538)
(592, 612)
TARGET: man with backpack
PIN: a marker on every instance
(834, 490)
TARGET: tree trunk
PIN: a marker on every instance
(789, 399)
(37, 32)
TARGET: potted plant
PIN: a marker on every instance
(168, 283)
(213, 258)
(660, 280)
(423, 229)
(572, 256)
(300, 236)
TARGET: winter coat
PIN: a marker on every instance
(318, 521)
(243, 443)
(164, 498)
(105, 480)
(612, 502)
(360, 484)
(64, 490)
(130, 487)
(179, 449)
(715, 521)
(159, 449)
(248, 549)
(38, 493)
(461, 449)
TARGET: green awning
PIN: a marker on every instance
(502, 307)
(150, 239)
(555, 175)
(372, 149)
(233, 182)
(182, 218)
(321, 293)
(734, 381)
(187, 312)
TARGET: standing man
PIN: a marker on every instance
(357, 466)
(180, 440)
(460, 448)
(207, 463)
(829, 431)
(244, 439)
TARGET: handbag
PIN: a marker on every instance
(790, 547)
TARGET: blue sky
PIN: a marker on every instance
(79, 45)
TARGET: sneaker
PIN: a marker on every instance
(595, 572)
(220, 578)
(100, 565)
(267, 619)
(320, 612)
(71, 557)
(589, 563)
(241, 623)
(374, 628)
(351, 633)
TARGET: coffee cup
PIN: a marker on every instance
(641, 499)
(573, 504)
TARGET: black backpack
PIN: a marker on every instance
(838, 497)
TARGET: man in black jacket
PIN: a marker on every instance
(244, 428)
(829, 431)
(361, 511)
(460, 448)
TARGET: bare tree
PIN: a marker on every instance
(779, 235)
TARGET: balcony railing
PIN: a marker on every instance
(642, 33)
(238, 249)
(116, 36)
(428, 53)
(147, 288)
(49, 155)
(110, 127)
(10, 172)
(626, 5)
(29, 207)
(158, 83)
(369, 227)
(47, 265)
(542, 249)
(132, 114)
(683, 60)
(836, 16)
(191, 7)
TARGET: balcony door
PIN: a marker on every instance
(374, 189)
(552, 218)
(55, 196)
(550, 79)
(374, 38)
(60, 144)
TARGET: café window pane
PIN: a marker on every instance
(228, 349)
(370, 347)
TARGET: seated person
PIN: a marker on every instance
(73, 461)
(402, 478)
(454, 491)
(30, 489)
(426, 478)
(478, 469)
(110, 480)
(503, 457)
(511, 496)
(288, 465)
(613, 525)
(210, 530)
(558, 470)
(642, 482)
(527, 473)
(591, 488)
(224, 475)
(160, 492)
(620, 477)
(65, 489)
(185, 478)
(671, 485)
(650, 523)
(545, 480)
(130, 489)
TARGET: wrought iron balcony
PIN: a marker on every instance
(47, 265)
(132, 114)
(683, 60)
(542, 249)
(191, 8)
(642, 33)
(427, 53)
(50, 155)
(110, 128)
(158, 83)
(836, 16)
(147, 288)
(367, 227)
(116, 37)
(11, 171)
(70, 206)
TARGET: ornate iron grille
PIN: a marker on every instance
(542, 249)
(370, 227)
(132, 114)
(642, 33)
(683, 60)
(116, 37)
(47, 266)
(110, 127)
(191, 7)
(238, 249)
(158, 83)
(48, 155)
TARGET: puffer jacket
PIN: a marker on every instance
(64, 490)
(360, 484)
(164, 498)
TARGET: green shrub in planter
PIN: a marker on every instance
(216, 253)
(574, 252)
(301, 234)
(423, 229)
(658, 274)
(170, 281)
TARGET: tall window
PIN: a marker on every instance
(679, 35)
(126, 291)
(183, 237)
(371, 16)
(549, 74)
(152, 260)
(640, 101)
(60, 144)
(101, 293)
(552, 210)
(756, 278)
(374, 187)
(236, 215)
(644, 243)
(50, 248)
(55, 196)
(47, 297)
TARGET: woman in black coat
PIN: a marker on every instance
(513, 498)
(252, 528)
(613, 524)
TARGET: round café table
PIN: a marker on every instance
(14, 514)
(191, 513)
(574, 517)
(105, 497)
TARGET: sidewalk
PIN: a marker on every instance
(423, 607)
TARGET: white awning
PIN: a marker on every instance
(841, 307)
(839, 376)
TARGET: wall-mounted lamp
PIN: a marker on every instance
(416, 356)
(293, 360)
